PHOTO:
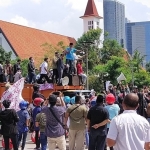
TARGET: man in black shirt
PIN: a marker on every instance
(31, 70)
(60, 68)
(17, 66)
(97, 120)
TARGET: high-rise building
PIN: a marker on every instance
(114, 20)
(91, 18)
(138, 38)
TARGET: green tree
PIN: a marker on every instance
(137, 60)
(110, 48)
(148, 67)
(4, 55)
(89, 42)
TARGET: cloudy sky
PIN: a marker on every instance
(62, 16)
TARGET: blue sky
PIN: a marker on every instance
(62, 16)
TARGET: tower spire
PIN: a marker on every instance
(91, 10)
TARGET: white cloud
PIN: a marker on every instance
(22, 21)
(5, 2)
(80, 5)
(144, 2)
(36, 1)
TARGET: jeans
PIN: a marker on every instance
(32, 77)
(84, 78)
(14, 139)
(97, 141)
(37, 139)
(24, 136)
(43, 140)
(71, 68)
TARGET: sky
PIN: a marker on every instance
(62, 16)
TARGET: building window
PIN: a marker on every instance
(0, 41)
(90, 25)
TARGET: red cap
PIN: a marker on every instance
(110, 99)
(38, 101)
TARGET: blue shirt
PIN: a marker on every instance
(113, 111)
(23, 117)
(36, 110)
(69, 54)
(53, 128)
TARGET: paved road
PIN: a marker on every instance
(29, 144)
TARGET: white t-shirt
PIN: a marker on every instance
(43, 66)
(130, 131)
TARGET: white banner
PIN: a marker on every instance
(107, 85)
(14, 94)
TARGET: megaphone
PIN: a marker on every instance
(121, 78)
(65, 81)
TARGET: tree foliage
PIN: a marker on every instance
(4, 55)
(89, 42)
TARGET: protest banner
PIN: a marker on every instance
(14, 94)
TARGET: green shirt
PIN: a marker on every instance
(77, 117)
(41, 119)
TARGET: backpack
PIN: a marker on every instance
(42, 121)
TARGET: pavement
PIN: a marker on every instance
(29, 144)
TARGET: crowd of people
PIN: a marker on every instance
(118, 119)
(64, 64)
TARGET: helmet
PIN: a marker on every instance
(72, 100)
(110, 99)
(67, 99)
(38, 101)
(23, 104)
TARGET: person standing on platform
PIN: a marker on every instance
(44, 71)
(129, 131)
(55, 71)
(17, 66)
(60, 68)
(31, 71)
(70, 58)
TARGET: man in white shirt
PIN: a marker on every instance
(129, 131)
(44, 71)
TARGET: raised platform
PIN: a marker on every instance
(28, 90)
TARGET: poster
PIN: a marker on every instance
(14, 94)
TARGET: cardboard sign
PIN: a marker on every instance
(14, 94)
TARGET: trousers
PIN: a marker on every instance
(76, 139)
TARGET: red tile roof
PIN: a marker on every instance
(26, 41)
(91, 10)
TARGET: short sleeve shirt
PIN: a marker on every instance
(23, 117)
(43, 66)
(77, 117)
(69, 54)
(96, 115)
(130, 131)
(53, 128)
(36, 111)
(113, 111)
(41, 117)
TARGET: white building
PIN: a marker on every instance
(91, 18)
